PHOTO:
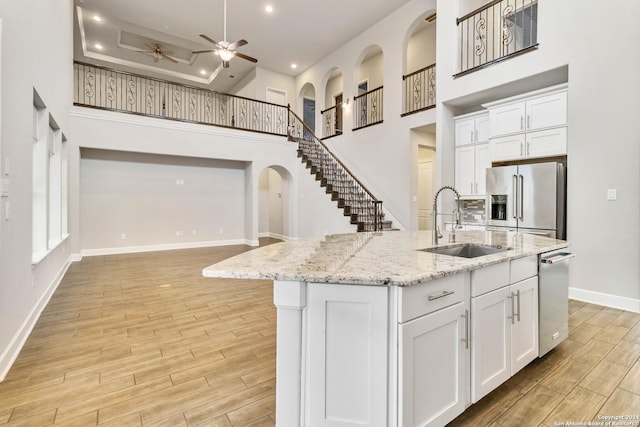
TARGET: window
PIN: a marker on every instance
(50, 180)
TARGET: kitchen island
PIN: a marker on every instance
(377, 329)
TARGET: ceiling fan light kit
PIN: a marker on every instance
(224, 49)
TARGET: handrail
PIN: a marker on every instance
(367, 92)
(405, 77)
(328, 109)
(473, 12)
(318, 140)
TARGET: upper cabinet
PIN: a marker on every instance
(529, 115)
(529, 125)
(472, 129)
(472, 156)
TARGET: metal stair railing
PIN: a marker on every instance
(357, 201)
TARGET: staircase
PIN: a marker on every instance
(362, 208)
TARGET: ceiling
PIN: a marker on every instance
(297, 31)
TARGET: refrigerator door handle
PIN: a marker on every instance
(521, 196)
(515, 196)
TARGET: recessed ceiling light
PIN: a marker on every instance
(268, 8)
(97, 18)
(98, 46)
(203, 72)
(294, 66)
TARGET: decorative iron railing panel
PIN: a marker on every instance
(497, 31)
(363, 208)
(367, 108)
(331, 121)
(419, 90)
(103, 88)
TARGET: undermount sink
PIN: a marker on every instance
(467, 250)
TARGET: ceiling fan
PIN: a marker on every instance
(224, 49)
(157, 52)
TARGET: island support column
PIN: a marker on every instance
(289, 298)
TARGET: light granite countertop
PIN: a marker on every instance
(383, 258)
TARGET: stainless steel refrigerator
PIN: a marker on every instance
(528, 198)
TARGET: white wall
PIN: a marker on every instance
(255, 83)
(421, 49)
(31, 58)
(158, 201)
(372, 70)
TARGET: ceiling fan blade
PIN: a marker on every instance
(144, 51)
(203, 51)
(209, 39)
(243, 56)
(169, 58)
(237, 44)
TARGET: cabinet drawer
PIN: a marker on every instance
(419, 300)
(523, 268)
(487, 279)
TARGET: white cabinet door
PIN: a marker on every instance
(490, 341)
(465, 170)
(524, 328)
(346, 375)
(433, 356)
(507, 147)
(507, 119)
(547, 111)
(483, 161)
(483, 128)
(550, 142)
(464, 131)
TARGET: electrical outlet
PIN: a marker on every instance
(221, 230)
(179, 233)
(612, 194)
(123, 236)
(193, 232)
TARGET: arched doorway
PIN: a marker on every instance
(274, 203)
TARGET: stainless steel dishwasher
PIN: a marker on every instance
(553, 299)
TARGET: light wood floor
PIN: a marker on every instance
(143, 339)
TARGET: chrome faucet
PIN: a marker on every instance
(456, 216)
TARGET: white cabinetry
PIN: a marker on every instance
(434, 353)
(504, 318)
(473, 154)
(529, 125)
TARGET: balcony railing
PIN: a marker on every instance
(497, 31)
(331, 121)
(107, 89)
(367, 108)
(419, 90)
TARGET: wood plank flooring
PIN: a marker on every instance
(145, 340)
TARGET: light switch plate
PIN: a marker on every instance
(612, 194)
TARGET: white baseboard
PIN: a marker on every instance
(164, 247)
(17, 342)
(276, 236)
(607, 300)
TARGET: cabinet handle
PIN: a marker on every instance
(476, 136)
(442, 295)
(528, 121)
(513, 314)
(518, 296)
(528, 148)
(521, 153)
(521, 123)
(471, 187)
(466, 329)
(476, 192)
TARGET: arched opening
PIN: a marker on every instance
(369, 78)
(332, 115)
(274, 203)
(419, 80)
